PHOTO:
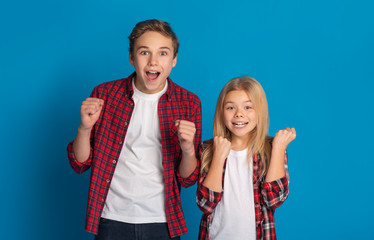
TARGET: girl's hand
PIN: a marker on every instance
(283, 138)
(221, 147)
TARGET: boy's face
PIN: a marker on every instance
(153, 59)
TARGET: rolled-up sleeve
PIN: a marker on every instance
(78, 167)
(190, 180)
(206, 198)
(276, 192)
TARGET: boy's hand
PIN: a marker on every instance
(283, 138)
(222, 147)
(90, 112)
(186, 135)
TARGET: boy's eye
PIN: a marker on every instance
(163, 53)
(143, 53)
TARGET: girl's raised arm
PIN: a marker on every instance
(221, 148)
(280, 142)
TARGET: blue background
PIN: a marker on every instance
(313, 58)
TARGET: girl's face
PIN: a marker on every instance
(239, 115)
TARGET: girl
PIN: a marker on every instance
(244, 173)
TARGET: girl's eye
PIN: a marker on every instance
(230, 108)
(248, 107)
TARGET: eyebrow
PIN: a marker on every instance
(162, 48)
(249, 101)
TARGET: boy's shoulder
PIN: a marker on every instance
(123, 84)
(181, 93)
(114, 89)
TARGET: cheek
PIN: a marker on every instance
(226, 119)
(252, 116)
(227, 124)
(167, 62)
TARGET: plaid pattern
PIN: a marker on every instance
(267, 197)
(107, 138)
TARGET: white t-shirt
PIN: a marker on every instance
(137, 191)
(234, 216)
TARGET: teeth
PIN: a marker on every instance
(152, 71)
(240, 124)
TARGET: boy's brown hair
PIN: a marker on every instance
(155, 26)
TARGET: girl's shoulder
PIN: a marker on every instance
(207, 143)
(269, 139)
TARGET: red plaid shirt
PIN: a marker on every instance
(267, 197)
(108, 136)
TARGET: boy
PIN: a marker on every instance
(141, 136)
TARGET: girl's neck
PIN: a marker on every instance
(238, 144)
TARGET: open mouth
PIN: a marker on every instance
(240, 124)
(152, 75)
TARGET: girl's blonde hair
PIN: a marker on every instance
(258, 143)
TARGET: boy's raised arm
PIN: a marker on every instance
(90, 112)
(186, 134)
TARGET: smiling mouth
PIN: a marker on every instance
(240, 124)
(152, 75)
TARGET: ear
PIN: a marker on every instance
(175, 61)
(131, 59)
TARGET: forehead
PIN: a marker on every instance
(237, 96)
(152, 39)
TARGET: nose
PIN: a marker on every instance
(239, 113)
(152, 60)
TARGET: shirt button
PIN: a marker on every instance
(114, 161)
(120, 142)
(126, 123)
(108, 180)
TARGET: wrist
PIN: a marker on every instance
(84, 130)
(219, 158)
(278, 149)
(189, 153)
